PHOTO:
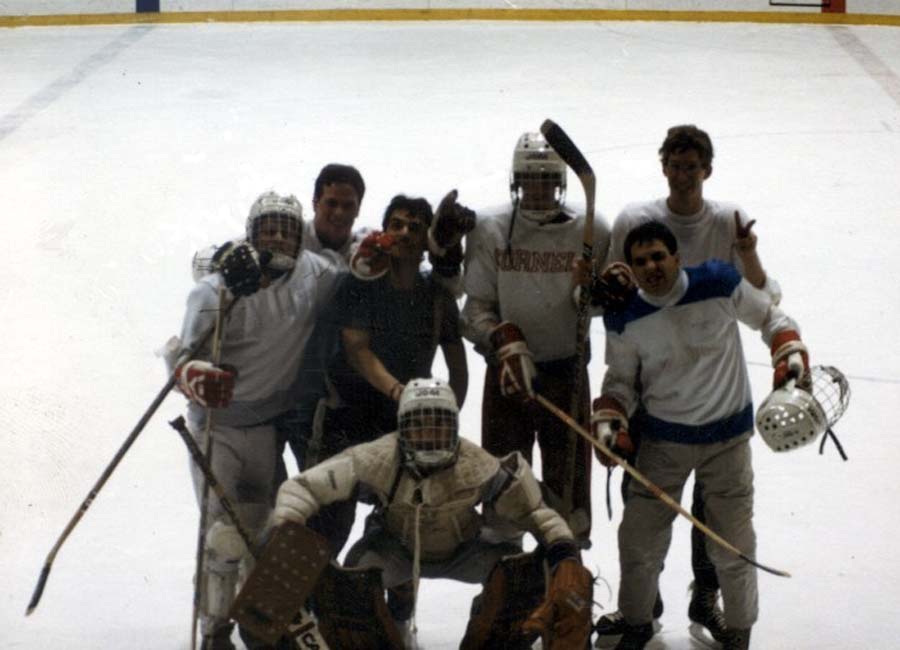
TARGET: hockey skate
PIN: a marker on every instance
(635, 637)
(408, 634)
(218, 639)
(707, 620)
(610, 627)
(737, 640)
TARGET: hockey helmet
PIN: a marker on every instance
(275, 224)
(790, 418)
(428, 425)
(538, 178)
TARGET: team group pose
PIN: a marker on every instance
(324, 340)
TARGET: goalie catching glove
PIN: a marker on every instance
(563, 620)
(516, 363)
(205, 384)
(790, 359)
(610, 427)
(371, 258)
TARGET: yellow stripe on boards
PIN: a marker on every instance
(377, 15)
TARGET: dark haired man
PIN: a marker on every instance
(704, 229)
(677, 338)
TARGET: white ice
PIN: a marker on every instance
(125, 148)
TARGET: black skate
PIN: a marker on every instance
(707, 621)
(610, 627)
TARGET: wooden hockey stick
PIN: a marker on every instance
(563, 145)
(110, 468)
(658, 493)
(304, 631)
(218, 331)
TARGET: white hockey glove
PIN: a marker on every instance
(451, 222)
(205, 384)
(517, 369)
(610, 426)
(294, 503)
(790, 359)
(371, 258)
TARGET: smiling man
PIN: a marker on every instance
(678, 339)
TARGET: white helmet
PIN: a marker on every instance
(429, 429)
(538, 178)
(283, 217)
(790, 418)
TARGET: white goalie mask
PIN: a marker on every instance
(275, 224)
(429, 425)
(538, 178)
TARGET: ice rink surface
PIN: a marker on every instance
(125, 148)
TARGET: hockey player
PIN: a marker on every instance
(263, 341)
(678, 338)
(705, 230)
(426, 482)
(521, 315)
(391, 317)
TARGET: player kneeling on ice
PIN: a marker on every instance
(678, 338)
(426, 483)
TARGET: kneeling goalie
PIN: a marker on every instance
(426, 483)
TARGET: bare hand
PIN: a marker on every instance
(745, 238)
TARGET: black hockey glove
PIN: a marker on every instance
(241, 266)
(614, 288)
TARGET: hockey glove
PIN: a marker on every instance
(451, 222)
(294, 503)
(563, 620)
(610, 426)
(790, 359)
(613, 289)
(449, 264)
(371, 258)
(241, 267)
(517, 370)
(205, 384)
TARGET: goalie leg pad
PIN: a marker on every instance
(512, 591)
(352, 611)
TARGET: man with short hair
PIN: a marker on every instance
(678, 338)
(705, 229)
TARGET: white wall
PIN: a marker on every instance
(60, 7)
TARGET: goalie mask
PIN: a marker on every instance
(538, 179)
(275, 224)
(429, 431)
(790, 418)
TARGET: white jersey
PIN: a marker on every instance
(265, 335)
(706, 235)
(686, 350)
(527, 279)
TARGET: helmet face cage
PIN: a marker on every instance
(275, 224)
(538, 178)
(831, 390)
(428, 419)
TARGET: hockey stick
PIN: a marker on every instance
(204, 499)
(658, 493)
(563, 145)
(110, 468)
(305, 632)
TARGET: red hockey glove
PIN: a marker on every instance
(614, 288)
(516, 369)
(451, 221)
(371, 258)
(610, 426)
(205, 384)
(563, 620)
(790, 359)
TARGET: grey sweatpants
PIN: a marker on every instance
(726, 472)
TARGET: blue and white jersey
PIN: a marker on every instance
(685, 350)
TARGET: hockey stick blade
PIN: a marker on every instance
(563, 145)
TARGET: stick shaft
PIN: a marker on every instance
(107, 472)
(654, 489)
